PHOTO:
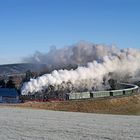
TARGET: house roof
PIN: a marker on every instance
(8, 92)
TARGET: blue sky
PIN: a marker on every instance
(30, 25)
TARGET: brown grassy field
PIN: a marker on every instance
(129, 105)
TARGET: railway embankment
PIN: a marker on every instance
(125, 105)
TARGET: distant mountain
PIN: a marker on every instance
(10, 69)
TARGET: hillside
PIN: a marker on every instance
(20, 68)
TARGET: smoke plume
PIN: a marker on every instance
(78, 54)
(96, 64)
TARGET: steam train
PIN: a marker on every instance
(127, 90)
(103, 94)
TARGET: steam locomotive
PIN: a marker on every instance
(127, 90)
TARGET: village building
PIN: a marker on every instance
(9, 95)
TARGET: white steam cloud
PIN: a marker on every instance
(97, 63)
(77, 54)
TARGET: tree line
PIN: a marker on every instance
(16, 81)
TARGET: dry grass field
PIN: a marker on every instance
(37, 124)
